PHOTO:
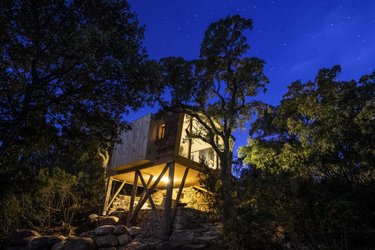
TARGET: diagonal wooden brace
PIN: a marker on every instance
(141, 202)
(115, 195)
(147, 192)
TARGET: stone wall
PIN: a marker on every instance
(186, 218)
(191, 197)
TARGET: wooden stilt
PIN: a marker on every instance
(179, 195)
(168, 205)
(132, 198)
(149, 196)
(107, 196)
(116, 193)
(147, 184)
(141, 202)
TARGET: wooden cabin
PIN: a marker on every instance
(156, 154)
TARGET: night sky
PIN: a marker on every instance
(295, 38)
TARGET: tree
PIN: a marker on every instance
(321, 128)
(216, 91)
(68, 71)
(311, 164)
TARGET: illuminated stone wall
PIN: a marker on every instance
(192, 197)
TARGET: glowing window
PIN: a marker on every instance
(161, 132)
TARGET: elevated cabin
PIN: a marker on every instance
(156, 154)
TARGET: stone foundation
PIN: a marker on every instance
(191, 197)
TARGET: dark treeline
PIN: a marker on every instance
(69, 70)
(310, 181)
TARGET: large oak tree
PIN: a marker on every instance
(68, 71)
(217, 90)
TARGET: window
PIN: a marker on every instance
(161, 132)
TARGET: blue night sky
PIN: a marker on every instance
(296, 38)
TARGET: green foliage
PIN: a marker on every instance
(69, 70)
(311, 169)
(279, 209)
(217, 91)
(56, 196)
(322, 128)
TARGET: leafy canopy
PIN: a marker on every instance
(68, 71)
(216, 88)
(323, 128)
(217, 91)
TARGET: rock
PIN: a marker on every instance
(90, 234)
(182, 235)
(54, 239)
(108, 220)
(107, 241)
(22, 237)
(77, 243)
(189, 247)
(208, 239)
(124, 239)
(103, 230)
(58, 246)
(132, 245)
(120, 229)
(108, 248)
(134, 231)
(17, 248)
(45, 242)
(38, 243)
(93, 217)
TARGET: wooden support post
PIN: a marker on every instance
(179, 195)
(115, 195)
(141, 202)
(149, 196)
(107, 196)
(166, 230)
(190, 140)
(147, 184)
(132, 198)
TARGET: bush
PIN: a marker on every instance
(52, 199)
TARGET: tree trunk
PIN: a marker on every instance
(226, 194)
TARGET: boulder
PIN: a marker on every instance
(108, 220)
(134, 231)
(38, 243)
(53, 239)
(132, 245)
(79, 243)
(120, 229)
(22, 237)
(58, 246)
(45, 242)
(189, 246)
(90, 234)
(103, 230)
(123, 239)
(107, 241)
(182, 235)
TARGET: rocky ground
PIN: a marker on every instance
(110, 233)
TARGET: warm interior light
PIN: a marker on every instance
(161, 132)
(165, 179)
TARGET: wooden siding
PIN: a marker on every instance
(165, 147)
(134, 144)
